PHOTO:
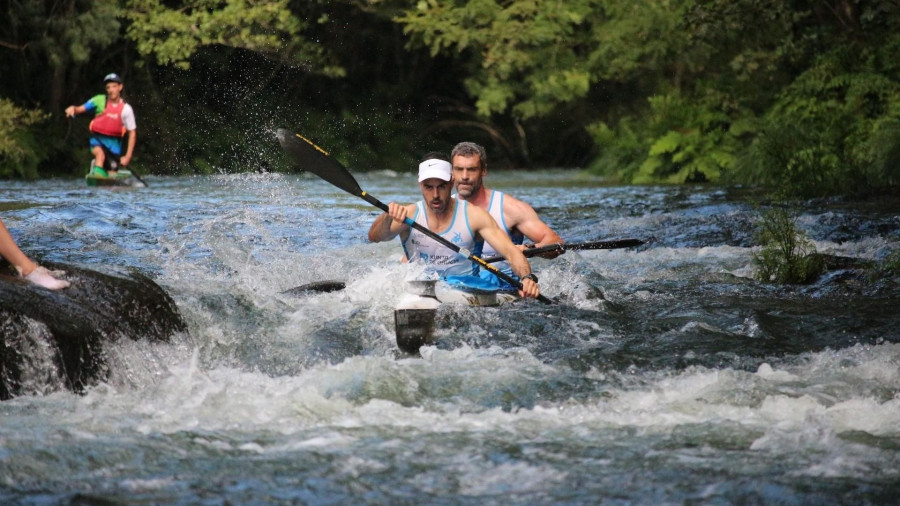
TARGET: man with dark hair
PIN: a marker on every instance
(516, 218)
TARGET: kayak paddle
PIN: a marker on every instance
(316, 160)
(316, 287)
(115, 162)
(335, 285)
(613, 244)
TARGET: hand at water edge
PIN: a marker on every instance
(41, 276)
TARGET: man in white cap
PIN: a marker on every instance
(113, 118)
(465, 225)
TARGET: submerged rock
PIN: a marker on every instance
(58, 339)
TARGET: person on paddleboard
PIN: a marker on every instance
(113, 119)
(515, 217)
(27, 269)
(467, 226)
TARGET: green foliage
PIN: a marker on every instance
(698, 145)
(20, 150)
(623, 149)
(799, 95)
(805, 98)
(640, 40)
(72, 32)
(886, 268)
(678, 141)
(530, 56)
(787, 255)
(746, 43)
(835, 129)
(173, 33)
(891, 264)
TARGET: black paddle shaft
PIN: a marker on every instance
(319, 162)
(114, 162)
(611, 244)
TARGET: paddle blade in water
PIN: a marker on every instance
(316, 287)
(611, 244)
(312, 158)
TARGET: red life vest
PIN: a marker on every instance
(110, 121)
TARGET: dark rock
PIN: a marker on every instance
(835, 262)
(57, 339)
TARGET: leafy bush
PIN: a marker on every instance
(622, 150)
(787, 255)
(19, 147)
(835, 130)
(680, 141)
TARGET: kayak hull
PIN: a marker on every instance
(414, 328)
(415, 313)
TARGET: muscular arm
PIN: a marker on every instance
(390, 224)
(523, 217)
(485, 226)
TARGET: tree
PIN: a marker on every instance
(578, 60)
(171, 32)
(44, 41)
(529, 56)
(19, 153)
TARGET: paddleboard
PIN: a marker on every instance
(123, 178)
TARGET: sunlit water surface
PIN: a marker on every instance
(664, 374)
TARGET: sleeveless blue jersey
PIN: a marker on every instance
(439, 258)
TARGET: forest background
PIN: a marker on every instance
(801, 96)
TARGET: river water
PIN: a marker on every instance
(664, 374)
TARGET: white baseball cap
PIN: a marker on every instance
(439, 169)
